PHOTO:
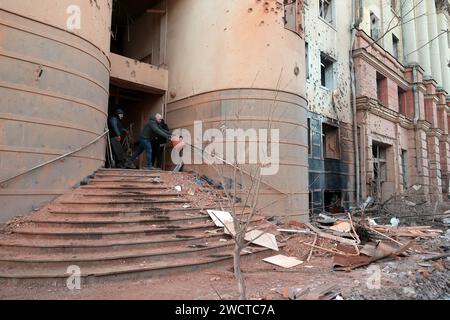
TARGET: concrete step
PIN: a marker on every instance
(124, 187)
(45, 246)
(131, 194)
(137, 200)
(86, 221)
(130, 171)
(57, 277)
(32, 231)
(128, 180)
(129, 175)
(98, 222)
(58, 210)
(119, 226)
(14, 259)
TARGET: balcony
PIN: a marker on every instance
(132, 74)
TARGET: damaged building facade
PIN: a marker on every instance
(401, 57)
(66, 66)
(330, 122)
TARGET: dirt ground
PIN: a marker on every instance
(400, 278)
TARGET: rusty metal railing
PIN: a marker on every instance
(54, 160)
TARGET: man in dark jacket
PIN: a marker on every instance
(117, 132)
(158, 145)
(151, 130)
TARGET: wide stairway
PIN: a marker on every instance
(122, 224)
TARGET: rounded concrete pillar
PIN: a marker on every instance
(444, 51)
(233, 65)
(435, 55)
(409, 39)
(423, 39)
(54, 88)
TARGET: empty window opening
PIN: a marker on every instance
(379, 152)
(326, 10)
(380, 174)
(395, 47)
(327, 71)
(374, 26)
(331, 148)
(333, 202)
(307, 60)
(316, 201)
(382, 89)
(136, 29)
(402, 101)
(309, 138)
(293, 16)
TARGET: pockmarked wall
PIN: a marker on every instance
(54, 87)
(234, 65)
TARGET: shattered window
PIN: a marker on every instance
(293, 16)
(327, 71)
(331, 148)
(374, 26)
(395, 46)
(379, 162)
(307, 60)
(309, 138)
(326, 10)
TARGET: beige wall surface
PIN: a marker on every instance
(233, 64)
(138, 75)
(54, 88)
(216, 45)
(333, 40)
(95, 16)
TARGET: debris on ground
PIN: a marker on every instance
(220, 218)
(283, 261)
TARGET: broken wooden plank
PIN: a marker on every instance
(262, 239)
(331, 237)
(220, 217)
(283, 261)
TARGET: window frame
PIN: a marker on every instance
(337, 131)
(375, 27)
(331, 6)
(323, 73)
(298, 15)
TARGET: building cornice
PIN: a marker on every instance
(372, 106)
(435, 132)
(424, 125)
(381, 67)
(445, 137)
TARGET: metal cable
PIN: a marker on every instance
(56, 159)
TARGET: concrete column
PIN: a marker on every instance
(444, 144)
(445, 164)
(444, 51)
(423, 37)
(409, 33)
(435, 55)
(434, 165)
(418, 159)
